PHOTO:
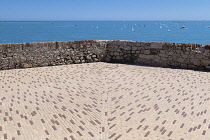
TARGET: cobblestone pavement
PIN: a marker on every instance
(101, 101)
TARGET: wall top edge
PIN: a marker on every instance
(101, 41)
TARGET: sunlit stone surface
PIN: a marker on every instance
(104, 101)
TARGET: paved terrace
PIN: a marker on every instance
(104, 101)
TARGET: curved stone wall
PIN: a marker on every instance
(177, 55)
(26, 55)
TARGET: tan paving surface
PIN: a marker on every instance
(104, 101)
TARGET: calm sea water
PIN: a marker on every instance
(162, 31)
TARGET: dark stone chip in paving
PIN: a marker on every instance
(72, 121)
(147, 134)
(0, 128)
(163, 132)
(182, 125)
(57, 122)
(139, 127)
(46, 132)
(111, 119)
(156, 128)
(103, 129)
(69, 130)
(145, 128)
(112, 126)
(72, 138)
(169, 134)
(128, 119)
(92, 122)
(129, 130)
(82, 122)
(162, 129)
(142, 120)
(42, 121)
(118, 137)
(5, 136)
(79, 133)
(97, 121)
(164, 122)
(31, 122)
(204, 132)
(54, 127)
(18, 132)
(81, 128)
(91, 134)
(112, 135)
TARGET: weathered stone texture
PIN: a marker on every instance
(179, 55)
(27, 55)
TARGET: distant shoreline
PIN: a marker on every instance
(95, 20)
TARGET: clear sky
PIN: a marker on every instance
(19, 10)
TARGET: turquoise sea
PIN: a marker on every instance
(159, 31)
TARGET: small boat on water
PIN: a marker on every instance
(132, 29)
(169, 30)
(183, 27)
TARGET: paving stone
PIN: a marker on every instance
(104, 101)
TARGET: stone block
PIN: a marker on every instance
(127, 48)
(181, 60)
(116, 53)
(156, 45)
(196, 62)
(26, 65)
(192, 67)
(146, 56)
(205, 62)
(162, 51)
(207, 47)
(147, 52)
(77, 61)
(163, 55)
(170, 53)
(198, 56)
(134, 48)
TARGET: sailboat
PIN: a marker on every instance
(132, 29)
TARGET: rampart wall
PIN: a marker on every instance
(176, 55)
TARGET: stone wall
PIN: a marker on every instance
(26, 55)
(177, 55)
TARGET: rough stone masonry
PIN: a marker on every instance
(175, 55)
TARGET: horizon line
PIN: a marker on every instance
(90, 20)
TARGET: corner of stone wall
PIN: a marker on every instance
(176, 55)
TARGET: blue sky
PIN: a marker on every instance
(19, 10)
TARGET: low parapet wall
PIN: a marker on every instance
(26, 55)
(177, 55)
